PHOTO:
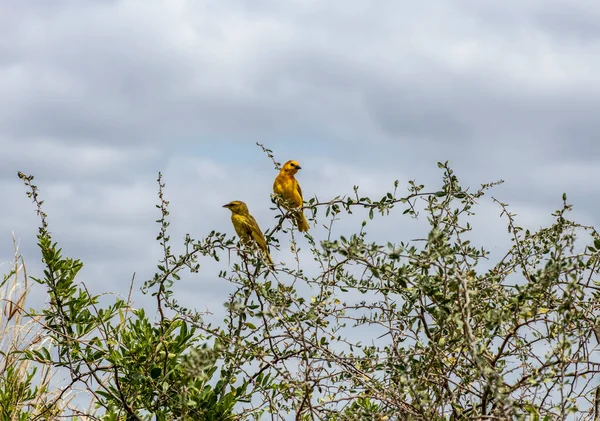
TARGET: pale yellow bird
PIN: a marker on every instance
(246, 226)
(287, 186)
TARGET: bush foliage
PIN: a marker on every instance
(435, 329)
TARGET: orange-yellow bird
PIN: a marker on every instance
(246, 226)
(287, 186)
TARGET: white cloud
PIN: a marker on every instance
(84, 160)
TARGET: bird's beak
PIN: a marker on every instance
(298, 167)
(227, 205)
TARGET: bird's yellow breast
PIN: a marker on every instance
(287, 187)
(239, 223)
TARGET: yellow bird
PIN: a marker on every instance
(246, 226)
(287, 186)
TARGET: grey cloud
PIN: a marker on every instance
(394, 68)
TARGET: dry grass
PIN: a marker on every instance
(25, 385)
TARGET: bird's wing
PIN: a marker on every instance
(256, 233)
(299, 190)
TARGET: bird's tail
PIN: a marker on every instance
(302, 222)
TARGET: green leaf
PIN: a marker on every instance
(155, 372)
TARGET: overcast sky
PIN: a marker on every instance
(97, 96)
